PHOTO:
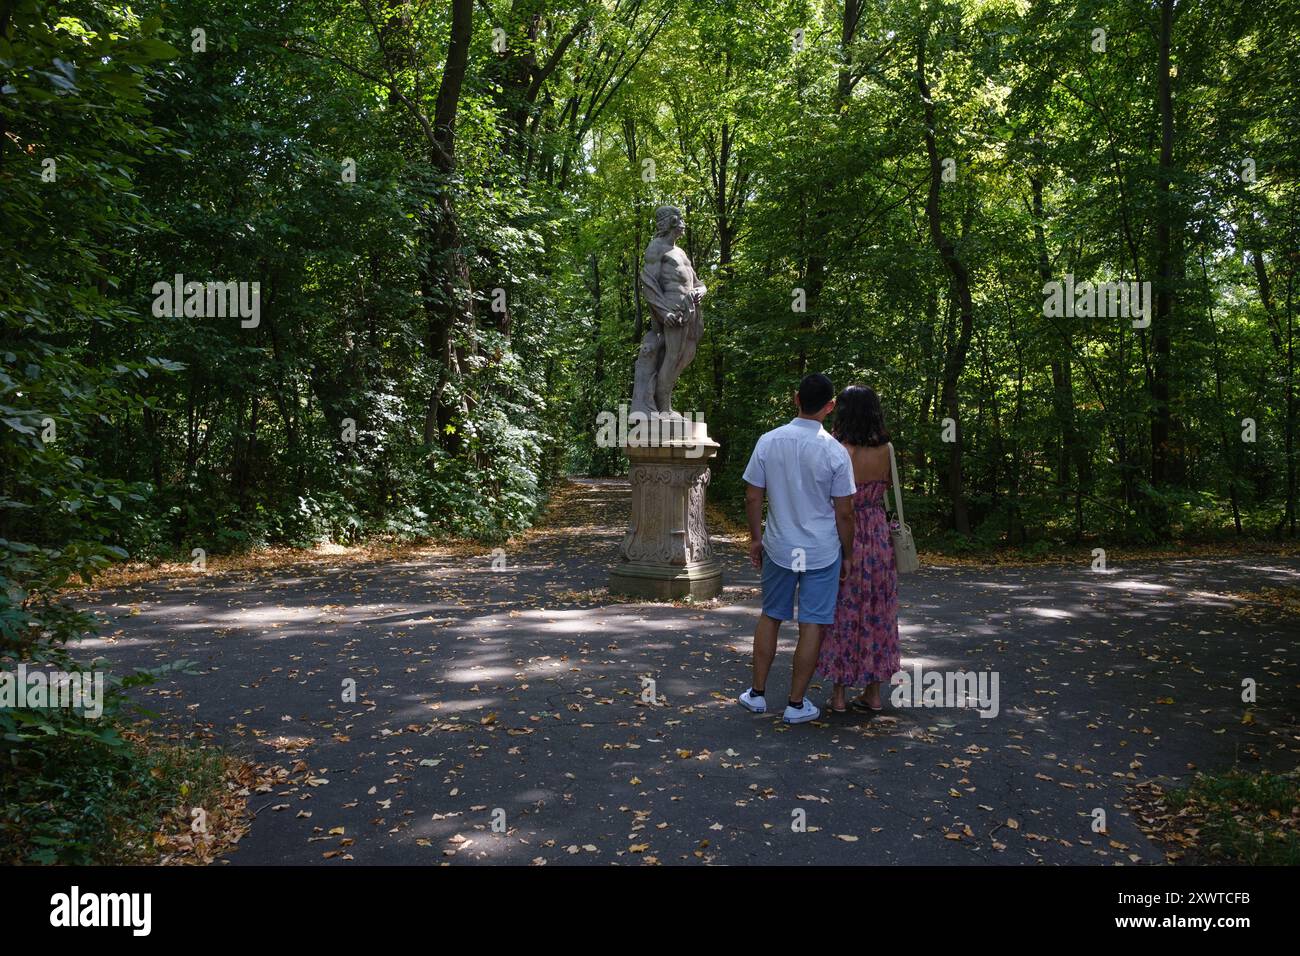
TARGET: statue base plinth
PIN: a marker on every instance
(666, 553)
(658, 583)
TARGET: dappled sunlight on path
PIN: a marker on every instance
(521, 690)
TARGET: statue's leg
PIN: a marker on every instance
(675, 343)
(645, 371)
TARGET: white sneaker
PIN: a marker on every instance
(801, 715)
(757, 705)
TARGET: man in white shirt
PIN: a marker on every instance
(807, 478)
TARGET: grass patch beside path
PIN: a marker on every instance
(89, 803)
(1236, 817)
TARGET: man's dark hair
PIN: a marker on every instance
(859, 419)
(814, 392)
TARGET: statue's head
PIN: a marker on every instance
(669, 221)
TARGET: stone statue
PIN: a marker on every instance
(670, 286)
(666, 553)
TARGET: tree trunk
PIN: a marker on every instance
(446, 280)
(961, 287)
(1285, 353)
(1161, 332)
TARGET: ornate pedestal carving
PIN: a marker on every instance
(666, 553)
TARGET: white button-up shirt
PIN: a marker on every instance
(802, 467)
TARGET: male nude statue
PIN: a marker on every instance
(670, 286)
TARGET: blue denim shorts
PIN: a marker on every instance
(818, 591)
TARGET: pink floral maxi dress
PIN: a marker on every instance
(861, 647)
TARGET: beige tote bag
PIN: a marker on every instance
(905, 558)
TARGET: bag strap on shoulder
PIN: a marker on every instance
(898, 491)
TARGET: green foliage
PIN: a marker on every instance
(1246, 819)
(447, 264)
(83, 795)
(74, 91)
(807, 170)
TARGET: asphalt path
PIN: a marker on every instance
(502, 714)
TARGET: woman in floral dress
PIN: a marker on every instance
(861, 648)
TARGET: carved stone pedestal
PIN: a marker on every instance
(666, 553)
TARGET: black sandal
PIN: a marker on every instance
(860, 706)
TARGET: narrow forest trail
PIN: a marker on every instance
(520, 689)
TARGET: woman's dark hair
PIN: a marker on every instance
(859, 419)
